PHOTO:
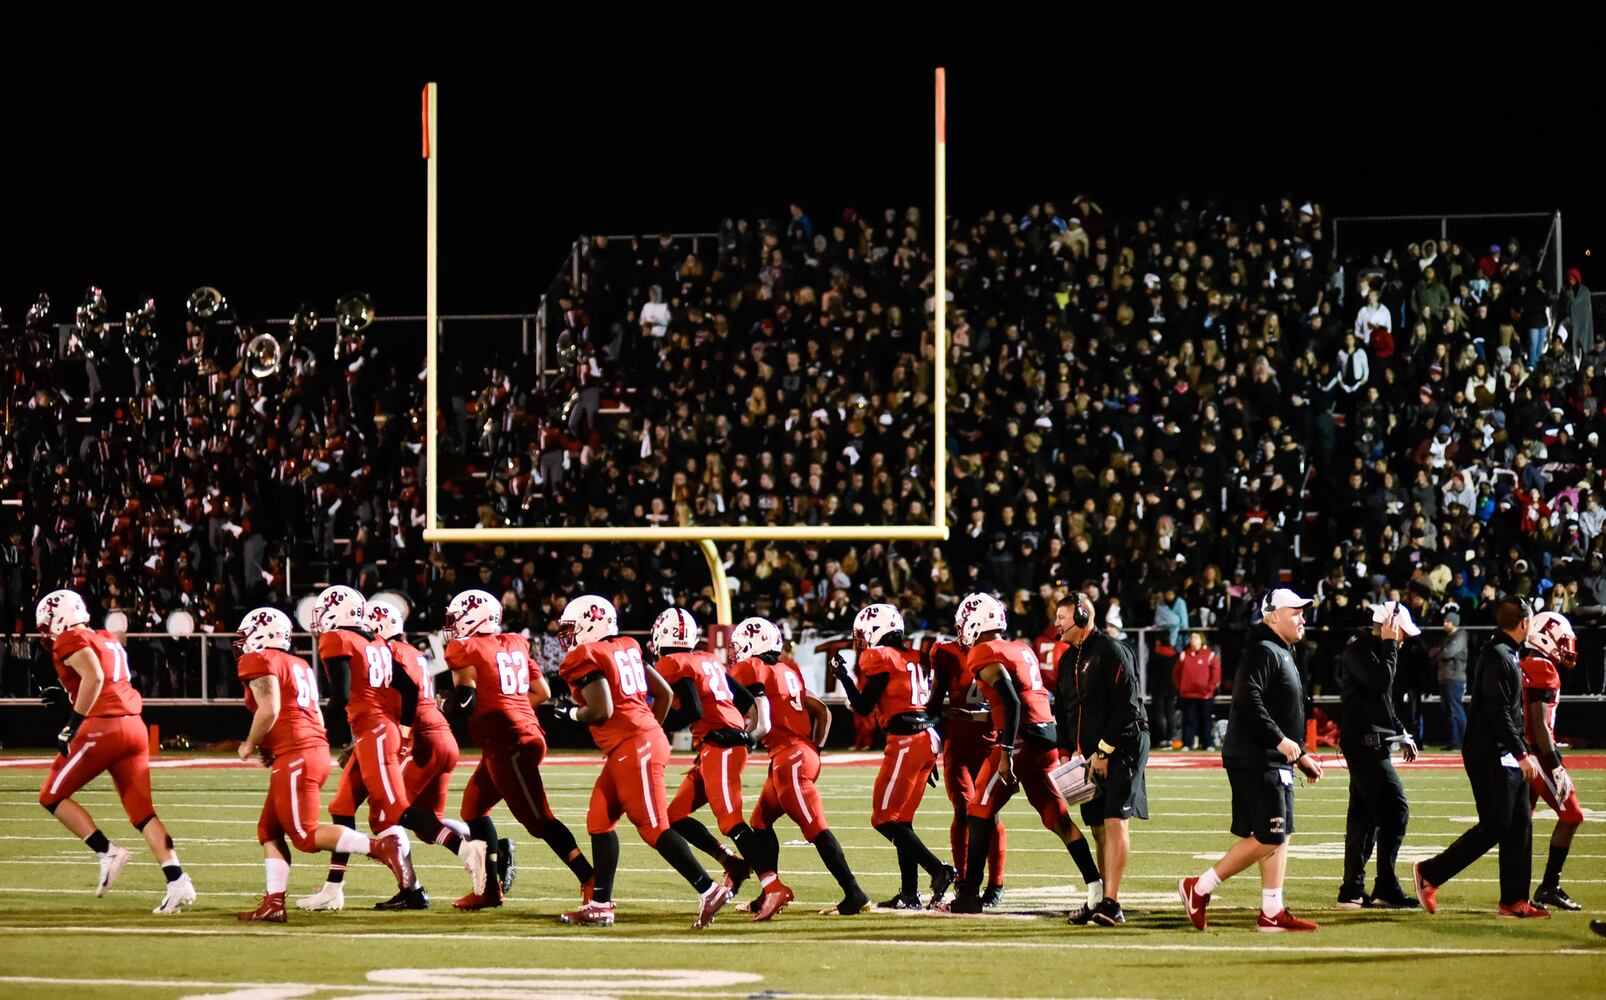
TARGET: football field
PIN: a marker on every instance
(57, 939)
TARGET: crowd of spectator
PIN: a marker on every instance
(1176, 412)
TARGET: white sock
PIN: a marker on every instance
(457, 826)
(1095, 892)
(1208, 882)
(351, 842)
(401, 839)
(1271, 902)
(278, 874)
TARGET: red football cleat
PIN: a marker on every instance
(270, 910)
(1194, 902)
(773, 901)
(1426, 891)
(1283, 921)
(1524, 910)
(590, 915)
(387, 851)
(490, 899)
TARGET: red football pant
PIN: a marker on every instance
(373, 774)
(427, 784)
(632, 784)
(1032, 766)
(790, 790)
(294, 784)
(964, 754)
(715, 780)
(115, 743)
(901, 782)
(1567, 810)
(510, 771)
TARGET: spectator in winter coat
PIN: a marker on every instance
(1196, 675)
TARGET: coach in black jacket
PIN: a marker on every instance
(1099, 712)
(1378, 812)
(1261, 749)
(1499, 766)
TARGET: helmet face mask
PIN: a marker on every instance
(1552, 635)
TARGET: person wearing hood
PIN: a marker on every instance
(1378, 812)
(1574, 308)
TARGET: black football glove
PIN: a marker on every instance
(839, 667)
(559, 707)
(54, 696)
(68, 732)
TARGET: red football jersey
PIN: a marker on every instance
(713, 690)
(300, 722)
(1540, 684)
(416, 665)
(619, 662)
(501, 665)
(783, 686)
(908, 688)
(117, 695)
(371, 669)
(1017, 660)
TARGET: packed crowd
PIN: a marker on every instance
(1182, 411)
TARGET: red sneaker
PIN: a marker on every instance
(490, 899)
(387, 851)
(713, 900)
(1194, 902)
(1283, 921)
(590, 915)
(773, 901)
(1524, 910)
(1426, 891)
(270, 910)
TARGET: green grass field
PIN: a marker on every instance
(59, 940)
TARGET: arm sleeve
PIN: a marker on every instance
(1258, 723)
(402, 681)
(742, 698)
(688, 706)
(1009, 703)
(865, 700)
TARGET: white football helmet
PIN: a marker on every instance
(979, 613)
(1552, 634)
(383, 621)
(874, 623)
(754, 637)
(264, 628)
(473, 612)
(337, 606)
(675, 628)
(59, 611)
(587, 618)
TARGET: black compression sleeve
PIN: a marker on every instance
(689, 708)
(403, 683)
(865, 701)
(1009, 701)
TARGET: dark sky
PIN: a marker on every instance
(293, 173)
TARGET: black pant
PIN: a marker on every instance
(1198, 722)
(1378, 814)
(1501, 796)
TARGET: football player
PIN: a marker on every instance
(717, 712)
(287, 731)
(499, 692)
(104, 733)
(611, 684)
(968, 740)
(896, 688)
(794, 724)
(1026, 752)
(1550, 643)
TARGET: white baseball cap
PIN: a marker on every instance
(1282, 597)
(1400, 613)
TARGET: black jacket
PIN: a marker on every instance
(1268, 704)
(1494, 722)
(1366, 687)
(1096, 698)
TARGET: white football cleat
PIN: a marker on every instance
(112, 864)
(472, 854)
(180, 893)
(331, 897)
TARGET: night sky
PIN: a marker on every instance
(293, 173)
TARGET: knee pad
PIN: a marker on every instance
(142, 824)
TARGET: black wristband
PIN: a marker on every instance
(74, 720)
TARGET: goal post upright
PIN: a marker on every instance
(431, 114)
